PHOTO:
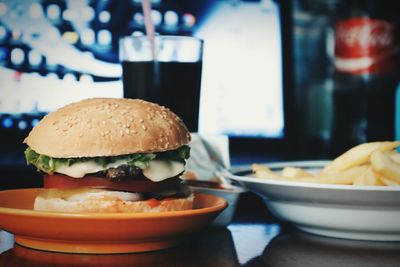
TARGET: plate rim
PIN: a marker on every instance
(114, 215)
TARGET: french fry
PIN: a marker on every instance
(359, 155)
(383, 164)
(395, 156)
(388, 182)
(261, 171)
(369, 177)
(326, 179)
(343, 177)
(293, 172)
(359, 180)
(372, 178)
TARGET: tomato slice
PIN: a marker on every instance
(130, 185)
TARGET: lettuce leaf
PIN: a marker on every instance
(141, 160)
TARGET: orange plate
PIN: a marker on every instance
(100, 233)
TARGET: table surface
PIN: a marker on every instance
(255, 238)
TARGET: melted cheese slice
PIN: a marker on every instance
(79, 169)
(158, 170)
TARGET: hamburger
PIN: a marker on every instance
(110, 155)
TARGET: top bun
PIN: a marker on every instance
(107, 127)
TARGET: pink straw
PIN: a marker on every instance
(149, 25)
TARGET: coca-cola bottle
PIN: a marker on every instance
(366, 73)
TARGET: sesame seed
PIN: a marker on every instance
(144, 127)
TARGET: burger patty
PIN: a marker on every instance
(181, 190)
(122, 172)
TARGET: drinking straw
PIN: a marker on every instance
(149, 25)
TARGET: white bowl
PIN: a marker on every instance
(231, 195)
(344, 211)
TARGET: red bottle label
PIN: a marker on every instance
(364, 45)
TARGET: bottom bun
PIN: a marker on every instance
(101, 201)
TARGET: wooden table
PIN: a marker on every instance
(254, 239)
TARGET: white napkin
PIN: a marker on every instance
(208, 154)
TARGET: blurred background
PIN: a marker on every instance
(270, 70)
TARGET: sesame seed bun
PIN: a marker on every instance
(107, 127)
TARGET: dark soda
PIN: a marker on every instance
(175, 85)
(364, 111)
(366, 73)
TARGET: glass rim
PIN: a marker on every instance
(159, 36)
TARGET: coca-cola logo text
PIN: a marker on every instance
(365, 33)
(364, 45)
